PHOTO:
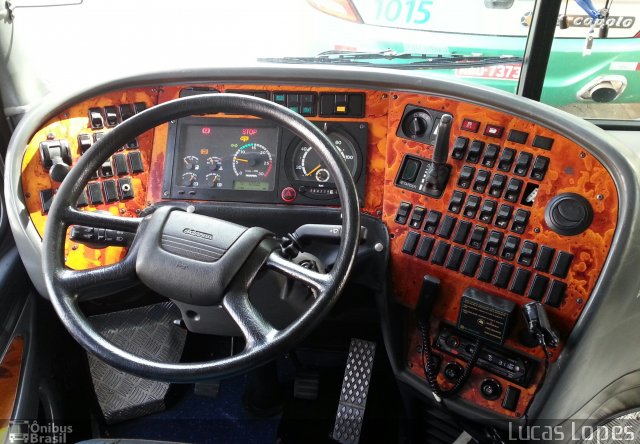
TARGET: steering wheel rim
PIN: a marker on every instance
(61, 280)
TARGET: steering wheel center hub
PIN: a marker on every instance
(192, 258)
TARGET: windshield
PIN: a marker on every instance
(593, 68)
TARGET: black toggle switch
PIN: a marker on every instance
(111, 115)
(417, 217)
(497, 185)
(95, 118)
(522, 164)
(403, 212)
(84, 142)
(482, 180)
(490, 155)
(471, 207)
(493, 242)
(488, 210)
(106, 169)
(506, 159)
(477, 237)
(475, 151)
(459, 148)
(513, 190)
(504, 216)
(540, 167)
(455, 204)
(527, 252)
(520, 221)
(466, 176)
(510, 247)
(433, 219)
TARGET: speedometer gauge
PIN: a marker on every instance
(309, 167)
(252, 160)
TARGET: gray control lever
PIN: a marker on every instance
(538, 324)
(292, 243)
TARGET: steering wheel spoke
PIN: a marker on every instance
(97, 219)
(256, 329)
(312, 279)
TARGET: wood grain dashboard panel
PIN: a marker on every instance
(571, 170)
(10, 366)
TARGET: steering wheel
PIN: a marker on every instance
(221, 277)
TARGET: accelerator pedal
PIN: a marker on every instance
(353, 395)
(148, 332)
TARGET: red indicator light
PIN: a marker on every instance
(206, 130)
(470, 125)
(249, 131)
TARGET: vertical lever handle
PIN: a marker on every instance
(441, 147)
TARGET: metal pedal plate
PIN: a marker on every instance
(147, 332)
(353, 395)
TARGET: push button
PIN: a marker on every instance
(84, 142)
(482, 180)
(138, 107)
(440, 253)
(503, 276)
(455, 204)
(410, 242)
(462, 232)
(471, 264)
(487, 211)
(522, 164)
(504, 216)
(497, 185)
(538, 287)
(555, 296)
(424, 250)
(281, 98)
(95, 193)
(510, 248)
(110, 190)
(520, 221)
(433, 219)
(135, 160)
(471, 207)
(543, 260)
(562, 264)
(494, 242)
(455, 258)
(506, 159)
(527, 252)
(106, 170)
(475, 151)
(111, 115)
(95, 118)
(513, 190)
(120, 164)
(540, 167)
(470, 125)
(490, 155)
(466, 176)
(293, 102)
(126, 111)
(477, 237)
(459, 148)
(493, 130)
(448, 224)
(308, 104)
(486, 269)
(520, 281)
(342, 104)
(518, 136)
(417, 217)
(403, 212)
(542, 142)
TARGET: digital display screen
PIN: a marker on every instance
(224, 154)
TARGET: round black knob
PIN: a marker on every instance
(568, 214)
(416, 124)
(59, 170)
(453, 371)
(490, 389)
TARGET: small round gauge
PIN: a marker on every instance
(191, 162)
(252, 160)
(189, 179)
(213, 180)
(214, 163)
(309, 167)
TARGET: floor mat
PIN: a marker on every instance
(147, 332)
(200, 419)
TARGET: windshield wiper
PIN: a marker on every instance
(391, 59)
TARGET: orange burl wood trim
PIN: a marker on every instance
(10, 366)
(571, 170)
(67, 125)
(375, 115)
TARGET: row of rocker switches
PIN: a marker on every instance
(85, 141)
(497, 185)
(472, 264)
(487, 211)
(110, 116)
(505, 160)
(93, 194)
(121, 165)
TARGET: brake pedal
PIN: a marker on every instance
(353, 395)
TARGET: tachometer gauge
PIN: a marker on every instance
(308, 167)
(252, 160)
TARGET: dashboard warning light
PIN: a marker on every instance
(244, 138)
(206, 130)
